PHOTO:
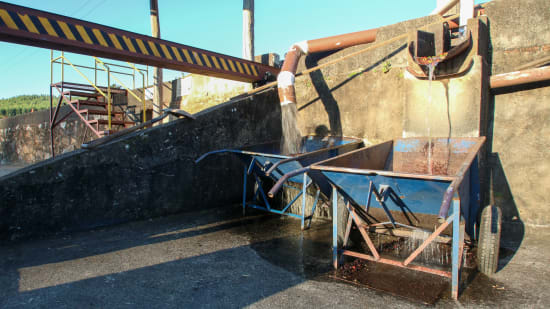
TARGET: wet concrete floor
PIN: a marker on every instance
(218, 258)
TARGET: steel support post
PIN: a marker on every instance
(455, 277)
(304, 189)
(334, 227)
(244, 190)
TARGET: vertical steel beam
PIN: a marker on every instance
(304, 189)
(314, 207)
(248, 29)
(158, 104)
(109, 98)
(455, 277)
(334, 227)
(51, 104)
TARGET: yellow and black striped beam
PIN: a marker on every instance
(42, 29)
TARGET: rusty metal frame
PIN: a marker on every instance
(354, 218)
(69, 102)
(415, 64)
(102, 92)
(32, 27)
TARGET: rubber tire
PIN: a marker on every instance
(489, 240)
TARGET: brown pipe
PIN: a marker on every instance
(285, 80)
(520, 77)
(279, 184)
(341, 41)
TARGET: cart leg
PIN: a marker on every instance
(348, 229)
(346, 234)
(304, 189)
(244, 192)
(334, 228)
(455, 278)
(461, 248)
(314, 207)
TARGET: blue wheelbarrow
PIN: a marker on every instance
(413, 184)
(267, 160)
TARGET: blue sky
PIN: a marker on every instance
(209, 24)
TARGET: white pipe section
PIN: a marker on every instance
(303, 46)
(285, 79)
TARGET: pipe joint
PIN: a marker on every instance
(287, 102)
(285, 79)
(303, 46)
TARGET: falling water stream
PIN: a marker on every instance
(435, 254)
(292, 138)
(431, 68)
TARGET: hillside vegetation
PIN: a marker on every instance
(23, 104)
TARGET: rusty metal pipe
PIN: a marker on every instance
(341, 41)
(520, 77)
(285, 79)
(455, 184)
(282, 180)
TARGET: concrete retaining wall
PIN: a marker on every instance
(520, 125)
(147, 174)
(26, 138)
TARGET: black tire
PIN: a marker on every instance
(489, 240)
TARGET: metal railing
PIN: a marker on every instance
(100, 66)
(107, 67)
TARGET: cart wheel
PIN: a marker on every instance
(489, 240)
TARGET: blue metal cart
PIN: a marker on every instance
(266, 160)
(405, 185)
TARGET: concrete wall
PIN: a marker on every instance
(363, 96)
(194, 93)
(26, 138)
(520, 127)
(373, 96)
(198, 92)
(147, 174)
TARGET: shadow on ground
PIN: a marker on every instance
(209, 259)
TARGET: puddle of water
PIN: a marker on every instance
(308, 254)
(280, 241)
(413, 285)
